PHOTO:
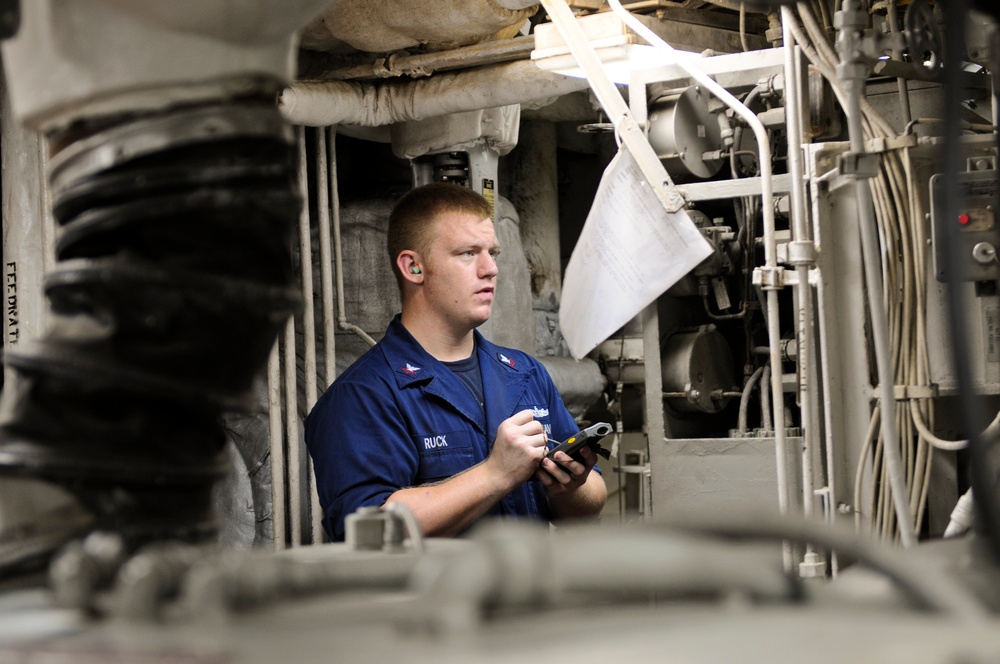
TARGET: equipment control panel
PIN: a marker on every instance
(974, 227)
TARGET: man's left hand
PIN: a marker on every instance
(564, 475)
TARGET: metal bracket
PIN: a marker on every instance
(771, 278)
(909, 392)
(802, 252)
(889, 143)
(858, 165)
(906, 392)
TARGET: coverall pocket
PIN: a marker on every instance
(444, 455)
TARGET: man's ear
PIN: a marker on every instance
(408, 263)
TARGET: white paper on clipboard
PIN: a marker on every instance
(630, 251)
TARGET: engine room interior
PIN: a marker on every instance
(756, 240)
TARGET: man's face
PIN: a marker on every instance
(460, 269)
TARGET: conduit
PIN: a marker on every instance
(324, 148)
(800, 237)
(277, 448)
(291, 357)
(291, 433)
(326, 290)
(376, 104)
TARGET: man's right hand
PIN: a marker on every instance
(449, 507)
(519, 447)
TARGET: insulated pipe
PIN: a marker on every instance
(376, 104)
(852, 72)
(536, 197)
(514, 5)
(770, 243)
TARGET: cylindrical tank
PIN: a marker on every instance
(698, 363)
(681, 130)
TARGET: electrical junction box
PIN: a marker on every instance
(974, 227)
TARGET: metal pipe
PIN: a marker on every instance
(339, 262)
(656, 424)
(309, 323)
(800, 234)
(291, 376)
(277, 447)
(328, 175)
(897, 54)
(326, 291)
(305, 266)
(289, 372)
(852, 72)
(368, 104)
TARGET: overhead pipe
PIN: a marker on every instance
(424, 64)
(324, 104)
(515, 5)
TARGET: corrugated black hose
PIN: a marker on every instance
(174, 275)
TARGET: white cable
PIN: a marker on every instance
(866, 449)
(948, 445)
(962, 517)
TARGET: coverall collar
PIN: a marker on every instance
(504, 380)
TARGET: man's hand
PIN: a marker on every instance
(570, 476)
(518, 448)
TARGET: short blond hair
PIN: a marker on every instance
(412, 218)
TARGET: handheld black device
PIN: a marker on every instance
(589, 437)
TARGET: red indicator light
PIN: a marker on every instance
(964, 219)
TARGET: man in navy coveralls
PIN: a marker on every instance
(435, 416)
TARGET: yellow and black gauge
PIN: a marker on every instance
(590, 437)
